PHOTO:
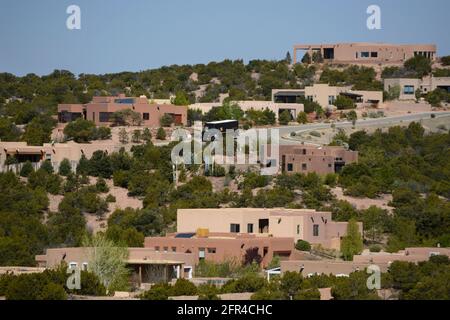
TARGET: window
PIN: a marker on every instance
(316, 230)
(174, 249)
(146, 116)
(331, 99)
(290, 167)
(104, 116)
(408, 89)
(250, 228)
(365, 54)
(85, 266)
(201, 253)
(73, 265)
(304, 166)
(235, 228)
(124, 101)
(298, 229)
(211, 250)
(157, 249)
(374, 54)
(166, 249)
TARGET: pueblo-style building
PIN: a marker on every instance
(219, 247)
(321, 160)
(224, 234)
(101, 109)
(316, 227)
(304, 158)
(326, 95)
(147, 266)
(360, 262)
(409, 86)
(371, 53)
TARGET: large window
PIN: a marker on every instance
(408, 90)
(374, 54)
(146, 116)
(124, 100)
(316, 230)
(104, 116)
(365, 54)
(290, 167)
(235, 228)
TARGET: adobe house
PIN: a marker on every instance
(219, 247)
(374, 53)
(409, 86)
(101, 109)
(316, 227)
(146, 265)
(361, 262)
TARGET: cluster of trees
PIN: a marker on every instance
(408, 281)
(48, 285)
(416, 67)
(83, 131)
(361, 78)
(414, 168)
(182, 287)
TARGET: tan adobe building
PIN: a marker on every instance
(375, 53)
(326, 95)
(294, 108)
(147, 266)
(220, 247)
(321, 160)
(316, 227)
(409, 86)
(55, 152)
(361, 262)
(101, 108)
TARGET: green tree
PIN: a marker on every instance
(27, 169)
(65, 168)
(80, 130)
(181, 99)
(421, 65)
(306, 58)
(344, 103)
(284, 118)
(136, 136)
(146, 135)
(161, 134)
(302, 118)
(108, 261)
(123, 136)
(303, 245)
(352, 243)
(166, 120)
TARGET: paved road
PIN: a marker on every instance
(360, 124)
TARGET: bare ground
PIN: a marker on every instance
(364, 203)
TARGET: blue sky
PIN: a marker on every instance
(133, 35)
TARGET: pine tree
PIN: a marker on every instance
(352, 243)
